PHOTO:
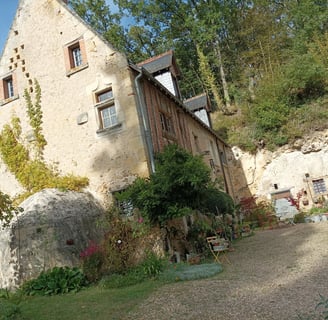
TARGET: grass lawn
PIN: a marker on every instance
(91, 303)
(99, 302)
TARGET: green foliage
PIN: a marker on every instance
(217, 202)
(121, 240)
(259, 212)
(58, 280)
(9, 305)
(180, 184)
(32, 172)
(299, 217)
(10, 311)
(305, 78)
(273, 56)
(121, 280)
(35, 115)
(197, 234)
(323, 305)
(153, 265)
(92, 262)
(7, 209)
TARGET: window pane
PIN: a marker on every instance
(105, 118)
(77, 57)
(319, 186)
(108, 116)
(104, 95)
(9, 88)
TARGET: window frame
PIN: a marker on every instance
(108, 103)
(75, 56)
(8, 88)
(167, 125)
(319, 186)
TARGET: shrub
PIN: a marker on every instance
(92, 262)
(58, 280)
(299, 217)
(119, 244)
(153, 265)
(7, 209)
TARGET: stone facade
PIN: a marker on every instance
(80, 76)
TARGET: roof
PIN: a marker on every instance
(161, 62)
(198, 102)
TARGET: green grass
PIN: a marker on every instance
(91, 303)
(101, 302)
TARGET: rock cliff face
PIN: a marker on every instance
(52, 231)
(297, 167)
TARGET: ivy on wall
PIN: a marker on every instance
(35, 115)
(31, 171)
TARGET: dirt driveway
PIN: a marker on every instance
(276, 274)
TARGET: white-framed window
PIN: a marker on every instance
(108, 116)
(106, 109)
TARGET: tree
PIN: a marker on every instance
(238, 51)
(180, 184)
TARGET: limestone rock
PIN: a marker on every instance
(54, 228)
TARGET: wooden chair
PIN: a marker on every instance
(218, 246)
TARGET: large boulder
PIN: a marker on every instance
(54, 228)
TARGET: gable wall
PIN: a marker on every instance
(35, 50)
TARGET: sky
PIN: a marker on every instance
(7, 13)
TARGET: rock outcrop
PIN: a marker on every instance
(294, 167)
(52, 231)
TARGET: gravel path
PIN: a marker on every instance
(275, 274)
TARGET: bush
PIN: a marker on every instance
(58, 280)
(153, 265)
(305, 78)
(92, 262)
(299, 217)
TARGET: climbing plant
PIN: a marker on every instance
(7, 209)
(35, 115)
(31, 171)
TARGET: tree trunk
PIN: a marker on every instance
(223, 77)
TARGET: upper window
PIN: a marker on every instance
(75, 56)
(8, 89)
(319, 186)
(166, 123)
(106, 109)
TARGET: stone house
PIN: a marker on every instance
(103, 118)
